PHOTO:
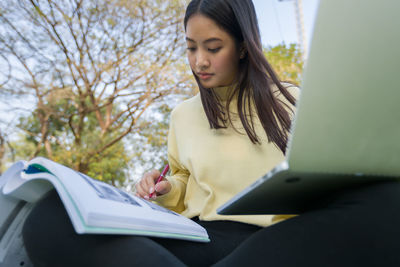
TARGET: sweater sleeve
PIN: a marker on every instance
(178, 174)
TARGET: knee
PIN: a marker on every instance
(45, 230)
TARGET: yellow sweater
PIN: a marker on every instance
(209, 166)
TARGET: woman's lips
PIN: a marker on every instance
(204, 75)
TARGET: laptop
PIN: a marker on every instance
(346, 130)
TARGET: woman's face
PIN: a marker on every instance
(212, 52)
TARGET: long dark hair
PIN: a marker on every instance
(256, 78)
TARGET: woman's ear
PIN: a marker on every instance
(242, 51)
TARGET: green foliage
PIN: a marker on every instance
(109, 166)
(287, 62)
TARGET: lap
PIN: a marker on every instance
(50, 238)
(225, 236)
(355, 227)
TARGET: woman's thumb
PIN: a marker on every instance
(163, 187)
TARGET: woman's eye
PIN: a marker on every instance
(214, 50)
(191, 49)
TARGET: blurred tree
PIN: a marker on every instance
(108, 166)
(287, 62)
(6, 148)
(2, 150)
(88, 71)
(150, 146)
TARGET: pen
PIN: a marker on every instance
(162, 175)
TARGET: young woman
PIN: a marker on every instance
(220, 141)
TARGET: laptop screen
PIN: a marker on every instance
(348, 118)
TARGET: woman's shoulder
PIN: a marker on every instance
(187, 107)
(293, 89)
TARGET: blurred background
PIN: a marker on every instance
(90, 84)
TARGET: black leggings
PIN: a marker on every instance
(356, 227)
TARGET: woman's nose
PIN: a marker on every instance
(202, 60)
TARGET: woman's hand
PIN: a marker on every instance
(147, 186)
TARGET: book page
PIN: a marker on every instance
(114, 207)
(97, 207)
(15, 180)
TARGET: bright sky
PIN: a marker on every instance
(277, 20)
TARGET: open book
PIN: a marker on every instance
(94, 206)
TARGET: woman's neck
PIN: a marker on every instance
(223, 92)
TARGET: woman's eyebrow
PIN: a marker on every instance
(214, 39)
